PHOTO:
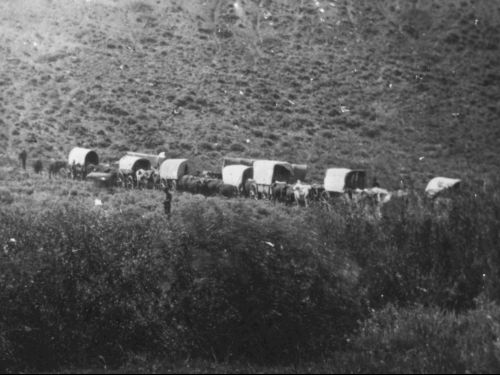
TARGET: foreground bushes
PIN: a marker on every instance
(425, 340)
(434, 253)
(79, 286)
(243, 280)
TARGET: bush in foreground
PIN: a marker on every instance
(425, 340)
(80, 286)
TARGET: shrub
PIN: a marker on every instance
(258, 289)
(426, 340)
(236, 147)
(37, 166)
(81, 285)
(6, 196)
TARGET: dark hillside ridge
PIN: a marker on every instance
(377, 85)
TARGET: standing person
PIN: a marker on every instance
(167, 203)
(22, 157)
(375, 182)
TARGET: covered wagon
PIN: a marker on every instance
(299, 172)
(81, 160)
(171, 170)
(128, 165)
(228, 160)
(343, 180)
(155, 160)
(440, 184)
(266, 172)
(237, 175)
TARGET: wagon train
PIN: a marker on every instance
(258, 179)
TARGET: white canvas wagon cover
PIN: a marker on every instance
(83, 156)
(299, 172)
(337, 180)
(130, 163)
(265, 172)
(236, 174)
(438, 184)
(229, 160)
(173, 169)
(155, 160)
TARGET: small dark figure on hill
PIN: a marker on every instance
(38, 166)
(22, 157)
(375, 182)
(167, 203)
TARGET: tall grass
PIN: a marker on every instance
(231, 279)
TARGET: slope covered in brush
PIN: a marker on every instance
(391, 86)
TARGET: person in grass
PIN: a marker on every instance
(167, 203)
(22, 157)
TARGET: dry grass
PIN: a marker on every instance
(106, 74)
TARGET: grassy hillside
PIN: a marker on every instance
(329, 83)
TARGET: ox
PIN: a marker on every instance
(228, 191)
(211, 186)
(301, 193)
(147, 178)
(282, 192)
(317, 193)
(77, 171)
(211, 175)
(58, 168)
(249, 189)
(189, 183)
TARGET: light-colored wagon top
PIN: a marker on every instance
(265, 172)
(83, 156)
(235, 174)
(438, 184)
(129, 163)
(337, 180)
(173, 169)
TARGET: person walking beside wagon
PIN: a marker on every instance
(167, 203)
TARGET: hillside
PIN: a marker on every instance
(377, 85)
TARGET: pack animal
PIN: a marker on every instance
(301, 193)
(145, 178)
(282, 192)
(58, 168)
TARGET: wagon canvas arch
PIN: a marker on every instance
(266, 172)
(128, 165)
(79, 161)
(344, 180)
(236, 175)
(83, 156)
(299, 172)
(441, 184)
(171, 170)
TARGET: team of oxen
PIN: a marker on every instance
(258, 179)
